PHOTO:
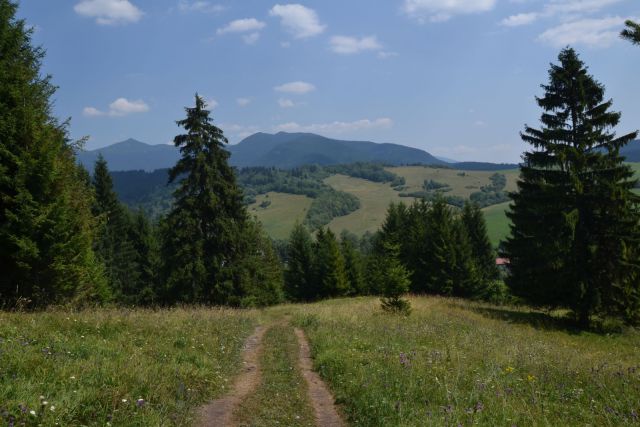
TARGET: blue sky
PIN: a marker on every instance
(454, 77)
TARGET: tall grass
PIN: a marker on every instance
(117, 367)
(460, 363)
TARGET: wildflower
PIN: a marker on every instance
(124, 400)
(44, 403)
(531, 378)
(52, 408)
(509, 369)
(140, 403)
(32, 412)
(72, 377)
(479, 407)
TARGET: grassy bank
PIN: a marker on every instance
(124, 367)
(458, 363)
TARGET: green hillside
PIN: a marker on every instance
(278, 212)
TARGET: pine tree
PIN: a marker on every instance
(144, 239)
(574, 239)
(46, 227)
(467, 279)
(299, 280)
(394, 281)
(203, 231)
(483, 254)
(329, 265)
(352, 264)
(113, 245)
(632, 32)
(260, 270)
(439, 251)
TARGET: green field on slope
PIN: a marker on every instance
(282, 213)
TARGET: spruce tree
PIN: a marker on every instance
(394, 281)
(632, 32)
(574, 236)
(329, 265)
(259, 269)
(144, 239)
(46, 227)
(203, 231)
(112, 244)
(352, 263)
(483, 254)
(439, 256)
(298, 275)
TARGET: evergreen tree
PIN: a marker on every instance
(329, 269)
(352, 263)
(574, 239)
(439, 250)
(203, 231)
(260, 270)
(299, 280)
(143, 237)
(46, 227)
(632, 32)
(394, 281)
(483, 254)
(113, 245)
(467, 279)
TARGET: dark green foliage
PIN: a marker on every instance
(475, 225)
(574, 241)
(203, 232)
(328, 266)
(146, 250)
(328, 205)
(113, 245)
(492, 194)
(46, 227)
(299, 280)
(444, 251)
(370, 171)
(353, 263)
(431, 185)
(392, 278)
(632, 32)
(259, 270)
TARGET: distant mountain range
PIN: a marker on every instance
(282, 150)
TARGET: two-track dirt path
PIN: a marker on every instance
(321, 398)
(220, 412)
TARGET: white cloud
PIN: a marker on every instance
(590, 32)
(118, 108)
(242, 26)
(122, 107)
(286, 103)
(350, 45)
(571, 9)
(243, 102)
(298, 20)
(386, 55)
(298, 87)
(337, 127)
(92, 112)
(109, 12)
(480, 123)
(442, 10)
(199, 6)
(251, 38)
(211, 103)
(519, 19)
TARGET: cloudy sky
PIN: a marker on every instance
(454, 77)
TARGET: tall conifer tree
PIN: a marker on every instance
(299, 278)
(46, 227)
(632, 32)
(204, 229)
(574, 239)
(329, 265)
(483, 254)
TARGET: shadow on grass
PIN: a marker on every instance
(543, 321)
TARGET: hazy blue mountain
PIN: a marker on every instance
(631, 151)
(288, 150)
(132, 155)
(282, 150)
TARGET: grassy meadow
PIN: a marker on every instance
(281, 215)
(497, 222)
(124, 367)
(451, 362)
